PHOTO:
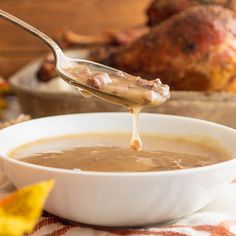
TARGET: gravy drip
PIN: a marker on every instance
(136, 142)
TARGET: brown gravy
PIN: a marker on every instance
(109, 153)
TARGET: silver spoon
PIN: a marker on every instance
(129, 98)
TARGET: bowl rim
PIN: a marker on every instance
(194, 170)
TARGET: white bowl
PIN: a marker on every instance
(121, 199)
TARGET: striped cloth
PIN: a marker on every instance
(216, 219)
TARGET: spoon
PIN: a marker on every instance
(105, 82)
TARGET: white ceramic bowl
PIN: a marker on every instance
(121, 199)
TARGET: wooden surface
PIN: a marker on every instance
(52, 17)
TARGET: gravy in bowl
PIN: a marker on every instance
(108, 152)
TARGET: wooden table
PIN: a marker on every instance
(52, 17)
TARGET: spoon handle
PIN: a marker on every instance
(29, 28)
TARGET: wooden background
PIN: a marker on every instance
(54, 16)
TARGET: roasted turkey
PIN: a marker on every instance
(160, 10)
(192, 50)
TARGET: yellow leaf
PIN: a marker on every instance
(20, 210)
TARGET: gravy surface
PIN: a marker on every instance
(109, 152)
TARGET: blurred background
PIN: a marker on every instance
(188, 44)
(54, 17)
